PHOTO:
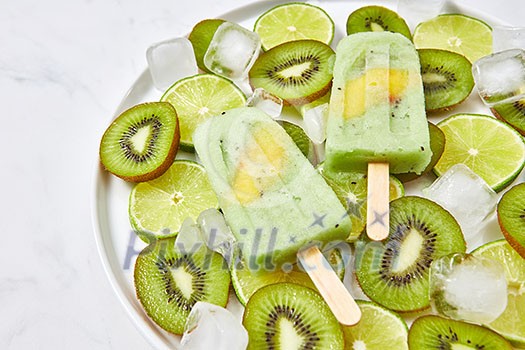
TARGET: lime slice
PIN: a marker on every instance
(294, 21)
(489, 147)
(459, 33)
(511, 323)
(158, 207)
(246, 282)
(199, 97)
(351, 189)
(378, 329)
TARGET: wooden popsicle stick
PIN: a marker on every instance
(338, 298)
(377, 211)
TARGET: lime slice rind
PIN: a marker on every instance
(455, 32)
(294, 21)
(157, 208)
(510, 324)
(199, 97)
(379, 328)
(489, 147)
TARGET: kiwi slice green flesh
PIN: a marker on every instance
(437, 145)
(395, 272)
(201, 36)
(168, 282)
(511, 217)
(141, 143)
(434, 332)
(298, 71)
(376, 19)
(447, 78)
(290, 316)
(512, 113)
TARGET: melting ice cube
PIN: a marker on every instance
(500, 77)
(232, 51)
(216, 233)
(266, 102)
(506, 38)
(315, 122)
(456, 190)
(171, 60)
(189, 239)
(468, 288)
(416, 11)
(213, 327)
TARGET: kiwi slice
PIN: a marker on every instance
(447, 78)
(298, 71)
(290, 316)
(142, 142)
(434, 332)
(395, 272)
(511, 217)
(376, 19)
(437, 145)
(201, 36)
(169, 282)
(512, 113)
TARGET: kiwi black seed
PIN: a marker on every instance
(168, 282)
(512, 113)
(447, 78)
(376, 19)
(141, 143)
(395, 272)
(511, 217)
(284, 313)
(298, 71)
(437, 146)
(438, 333)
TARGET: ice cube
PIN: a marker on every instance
(189, 239)
(506, 38)
(315, 122)
(457, 190)
(266, 102)
(232, 51)
(468, 288)
(416, 11)
(216, 233)
(500, 77)
(171, 60)
(213, 327)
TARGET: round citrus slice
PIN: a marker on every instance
(158, 207)
(511, 323)
(198, 98)
(351, 189)
(246, 283)
(454, 32)
(378, 329)
(489, 147)
(294, 21)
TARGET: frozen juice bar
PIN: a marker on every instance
(274, 201)
(377, 107)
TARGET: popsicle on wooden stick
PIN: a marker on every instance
(377, 119)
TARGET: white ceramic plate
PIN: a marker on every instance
(117, 243)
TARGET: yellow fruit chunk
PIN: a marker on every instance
(356, 93)
(260, 166)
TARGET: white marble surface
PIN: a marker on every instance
(64, 67)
